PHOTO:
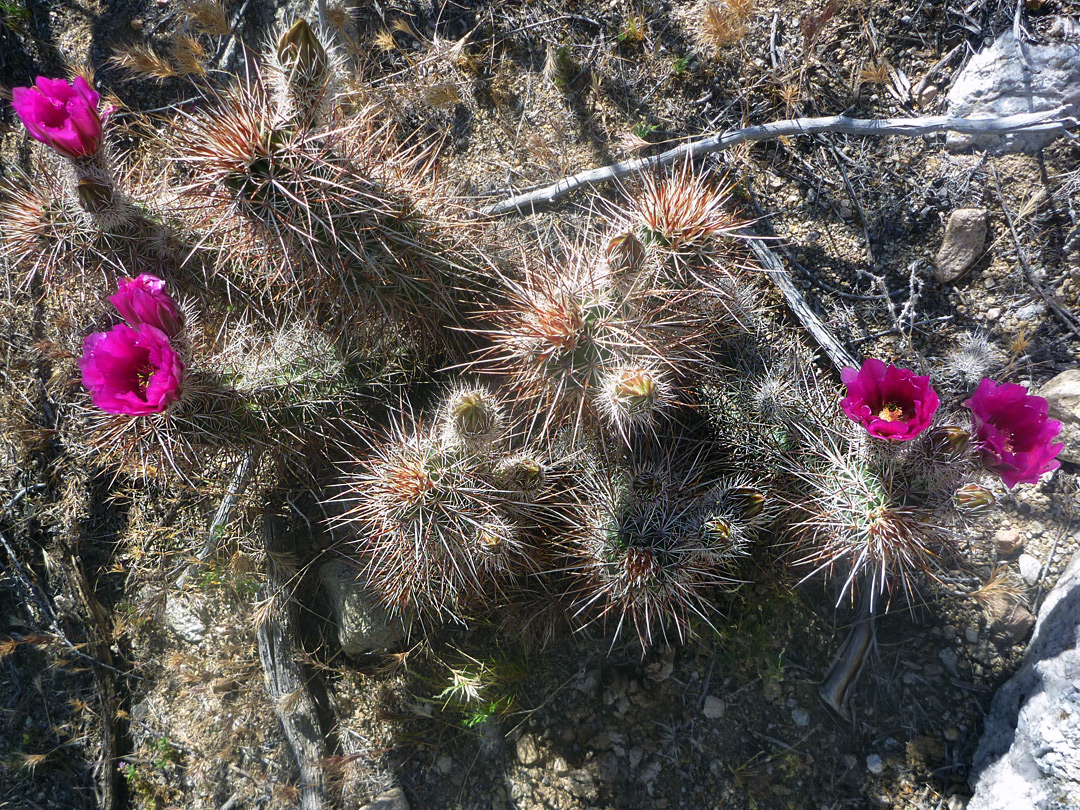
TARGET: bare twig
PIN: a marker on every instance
(239, 484)
(1049, 121)
(1063, 315)
(840, 356)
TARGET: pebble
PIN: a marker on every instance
(714, 708)
(962, 245)
(971, 635)
(1008, 541)
(947, 657)
(186, 617)
(393, 799)
(993, 313)
(874, 764)
(527, 750)
(801, 717)
(1029, 568)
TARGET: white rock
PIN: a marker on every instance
(1029, 754)
(1029, 568)
(186, 616)
(995, 83)
(874, 764)
(962, 245)
(390, 800)
(363, 624)
(714, 708)
(1062, 395)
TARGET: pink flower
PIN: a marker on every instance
(131, 371)
(144, 300)
(1014, 432)
(891, 403)
(61, 115)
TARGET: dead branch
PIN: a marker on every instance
(245, 469)
(293, 703)
(1048, 121)
(840, 356)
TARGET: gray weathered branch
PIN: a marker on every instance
(285, 681)
(1047, 121)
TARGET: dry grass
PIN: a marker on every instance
(724, 23)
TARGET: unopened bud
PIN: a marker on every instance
(95, 196)
(472, 414)
(301, 52)
(635, 389)
(624, 251)
(716, 531)
(746, 501)
(973, 499)
(948, 441)
(646, 485)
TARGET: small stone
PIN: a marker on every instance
(444, 764)
(186, 617)
(801, 717)
(527, 750)
(363, 624)
(580, 783)
(1008, 541)
(1062, 395)
(993, 313)
(393, 799)
(714, 708)
(1029, 568)
(971, 635)
(963, 244)
(221, 686)
(958, 802)
(874, 764)
(1008, 620)
(928, 94)
(951, 733)
(948, 659)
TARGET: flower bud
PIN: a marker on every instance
(95, 197)
(972, 499)
(472, 414)
(635, 389)
(624, 251)
(948, 440)
(746, 501)
(301, 52)
(716, 531)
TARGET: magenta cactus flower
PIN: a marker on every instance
(891, 403)
(62, 116)
(144, 300)
(131, 371)
(1014, 432)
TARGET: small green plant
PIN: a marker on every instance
(643, 129)
(634, 31)
(680, 65)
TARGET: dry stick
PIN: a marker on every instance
(1047, 122)
(240, 480)
(293, 703)
(1055, 307)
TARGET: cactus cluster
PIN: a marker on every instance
(619, 427)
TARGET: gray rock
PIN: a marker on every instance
(393, 799)
(714, 708)
(996, 83)
(1029, 754)
(1029, 568)
(1062, 395)
(186, 616)
(801, 717)
(580, 783)
(1008, 620)
(1008, 541)
(874, 764)
(363, 624)
(527, 750)
(963, 244)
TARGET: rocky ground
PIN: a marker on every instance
(905, 249)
